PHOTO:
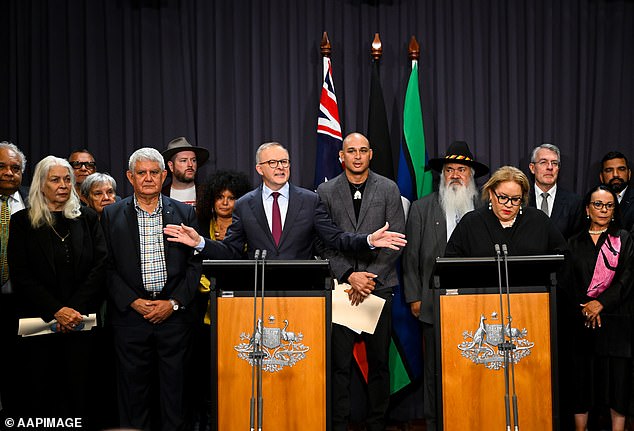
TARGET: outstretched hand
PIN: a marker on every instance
(383, 238)
(183, 234)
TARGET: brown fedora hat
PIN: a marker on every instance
(180, 144)
(458, 152)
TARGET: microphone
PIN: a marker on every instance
(497, 250)
(263, 254)
(256, 256)
(505, 250)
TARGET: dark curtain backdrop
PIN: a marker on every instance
(116, 75)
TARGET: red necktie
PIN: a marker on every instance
(277, 220)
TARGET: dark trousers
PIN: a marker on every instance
(377, 348)
(8, 336)
(151, 356)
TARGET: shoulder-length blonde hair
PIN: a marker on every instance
(39, 214)
(507, 173)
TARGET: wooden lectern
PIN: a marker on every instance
(470, 368)
(295, 337)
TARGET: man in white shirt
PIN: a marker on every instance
(183, 161)
(564, 208)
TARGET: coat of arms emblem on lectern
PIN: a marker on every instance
(280, 347)
(481, 346)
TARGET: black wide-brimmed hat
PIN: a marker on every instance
(458, 152)
(180, 144)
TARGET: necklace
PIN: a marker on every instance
(597, 232)
(357, 193)
(507, 224)
(63, 238)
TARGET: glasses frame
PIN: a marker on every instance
(598, 205)
(502, 200)
(273, 164)
(78, 165)
(546, 163)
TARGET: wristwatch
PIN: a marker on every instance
(175, 304)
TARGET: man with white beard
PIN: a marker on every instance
(430, 223)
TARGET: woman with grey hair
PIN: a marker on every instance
(98, 191)
(57, 256)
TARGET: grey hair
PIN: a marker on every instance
(266, 145)
(545, 146)
(96, 179)
(146, 154)
(39, 214)
(10, 146)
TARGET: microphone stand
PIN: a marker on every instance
(510, 336)
(255, 342)
(260, 353)
(503, 346)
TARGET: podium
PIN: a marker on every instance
(295, 337)
(468, 327)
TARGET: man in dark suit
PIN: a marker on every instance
(564, 208)
(14, 198)
(281, 218)
(616, 174)
(151, 285)
(360, 201)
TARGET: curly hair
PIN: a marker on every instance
(236, 182)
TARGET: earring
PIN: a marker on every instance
(587, 216)
(490, 206)
(520, 210)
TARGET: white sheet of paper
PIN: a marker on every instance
(359, 318)
(35, 326)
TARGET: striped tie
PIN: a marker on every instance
(5, 216)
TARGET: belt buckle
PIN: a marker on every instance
(154, 295)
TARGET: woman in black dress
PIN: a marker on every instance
(57, 256)
(507, 220)
(598, 279)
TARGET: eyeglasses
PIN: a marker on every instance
(545, 163)
(284, 163)
(87, 165)
(598, 205)
(515, 201)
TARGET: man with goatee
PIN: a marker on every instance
(615, 173)
(431, 221)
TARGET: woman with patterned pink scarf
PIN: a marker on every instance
(598, 280)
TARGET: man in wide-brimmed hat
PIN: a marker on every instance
(431, 221)
(183, 161)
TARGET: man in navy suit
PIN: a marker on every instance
(151, 285)
(564, 208)
(300, 217)
(616, 174)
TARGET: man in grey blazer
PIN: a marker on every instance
(360, 201)
(430, 223)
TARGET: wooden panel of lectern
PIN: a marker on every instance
(295, 336)
(470, 371)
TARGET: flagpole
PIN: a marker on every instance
(413, 51)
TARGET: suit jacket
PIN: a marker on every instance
(381, 202)
(627, 208)
(306, 218)
(567, 213)
(125, 282)
(33, 271)
(426, 240)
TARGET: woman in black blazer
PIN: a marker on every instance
(57, 256)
